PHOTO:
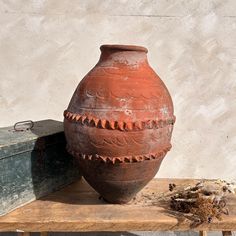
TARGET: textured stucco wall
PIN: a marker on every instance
(47, 46)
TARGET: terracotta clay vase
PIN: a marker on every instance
(119, 123)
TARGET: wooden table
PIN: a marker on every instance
(78, 208)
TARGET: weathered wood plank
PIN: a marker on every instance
(43, 233)
(203, 233)
(78, 208)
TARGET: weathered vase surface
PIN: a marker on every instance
(119, 123)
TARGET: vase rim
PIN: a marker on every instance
(122, 47)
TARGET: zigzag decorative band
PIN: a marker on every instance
(122, 159)
(120, 125)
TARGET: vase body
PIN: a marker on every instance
(119, 122)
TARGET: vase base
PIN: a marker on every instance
(118, 184)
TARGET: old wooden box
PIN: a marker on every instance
(33, 163)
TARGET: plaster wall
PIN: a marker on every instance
(47, 46)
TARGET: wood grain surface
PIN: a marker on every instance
(79, 208)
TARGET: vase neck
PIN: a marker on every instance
(122, 55)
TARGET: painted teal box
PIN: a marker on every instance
(33, 163)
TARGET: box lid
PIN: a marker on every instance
(15, 142)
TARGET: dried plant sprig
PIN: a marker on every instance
(204, 201)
